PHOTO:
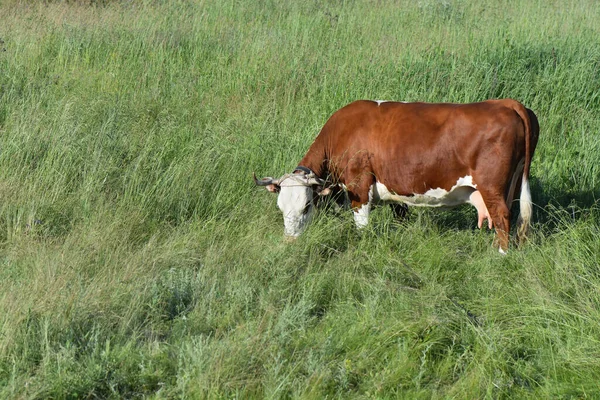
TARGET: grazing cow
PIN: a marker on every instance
(421, 154)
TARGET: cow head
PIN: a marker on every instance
(296, 200)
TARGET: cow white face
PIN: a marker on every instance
(297, 194)
(295, 201)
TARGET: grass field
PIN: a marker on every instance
(138, 259)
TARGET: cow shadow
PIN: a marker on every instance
(551, 205)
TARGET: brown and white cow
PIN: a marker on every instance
(421, 154)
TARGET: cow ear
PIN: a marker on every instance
(324, 191)
(273, 188)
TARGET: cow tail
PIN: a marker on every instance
(525, 202)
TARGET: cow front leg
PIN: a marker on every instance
(360, 200)
(361, 214)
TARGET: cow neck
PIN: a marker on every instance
(315, 157)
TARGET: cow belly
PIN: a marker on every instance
(457, 195)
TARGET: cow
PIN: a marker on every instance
(417, 154)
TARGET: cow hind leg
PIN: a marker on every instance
(500, 215)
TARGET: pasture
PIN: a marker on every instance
(138, 259)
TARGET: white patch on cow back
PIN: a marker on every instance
(380, 102)
(458, 194)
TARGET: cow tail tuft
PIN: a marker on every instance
(526, 209)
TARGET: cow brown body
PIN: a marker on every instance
(413, 148)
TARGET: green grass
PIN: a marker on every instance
(138, 259)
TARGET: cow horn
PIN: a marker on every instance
(265, 181)
(313, 180)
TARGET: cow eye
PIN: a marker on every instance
(306, 208)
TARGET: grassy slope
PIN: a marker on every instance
(138, 258)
